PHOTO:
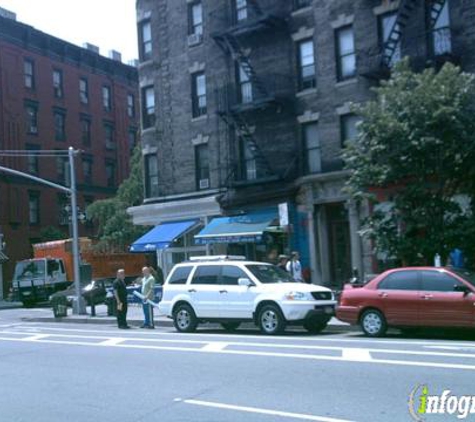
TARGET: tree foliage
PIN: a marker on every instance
(414, 160)
(115, 227)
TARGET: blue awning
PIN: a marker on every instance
(161, 236)
(247, 228)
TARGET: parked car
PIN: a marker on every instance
(410, 297)
(231, 290)
(93, 293)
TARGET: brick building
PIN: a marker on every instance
(53, 95)
(246, 105)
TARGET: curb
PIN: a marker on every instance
(160, 323)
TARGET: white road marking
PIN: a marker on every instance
(261, 411)
(215, 346)
(464, 348)
(445, 365)
(112, 341)
(36, 337)
(356, 355)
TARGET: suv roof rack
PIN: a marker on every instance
(217, 258)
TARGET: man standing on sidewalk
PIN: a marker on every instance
(120, 293)
(148, 291)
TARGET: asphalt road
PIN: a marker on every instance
(79, 372)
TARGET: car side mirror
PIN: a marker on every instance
(245, 282)
(462, 289)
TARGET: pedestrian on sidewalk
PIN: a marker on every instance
(148, 292)
(282, 264)
(120, 293)
(294, 267)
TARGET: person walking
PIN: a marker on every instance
(294, 267)
(148, 284)
(120, 293)
(282, 264)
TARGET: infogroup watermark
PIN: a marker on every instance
(422, 403)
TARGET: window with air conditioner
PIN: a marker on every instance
(202, 166)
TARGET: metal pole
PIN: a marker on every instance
(1, 267)
(78, 306)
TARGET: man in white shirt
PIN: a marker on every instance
(294, 267)
(148, 284)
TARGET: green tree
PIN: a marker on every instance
(115, 227)
(414, 160)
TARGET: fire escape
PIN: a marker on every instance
(235, 107)
(379, 65)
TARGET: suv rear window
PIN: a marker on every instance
(180, 275)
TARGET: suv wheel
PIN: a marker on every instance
(184, 318)
(315, 327)
(230, 326)
(373, 323)
(270, 320)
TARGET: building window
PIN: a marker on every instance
(151, 176)
(346, 55)
(109, 136)
(110, 174)
(240, 7)
(83, 91)
(106, 98)
(87, 170)
(313, 151)
(145, 40)
(386, 25)
(63, 209)
(148, 107)
(249, 165)
(59, 125)
(195, 16)
(32, 162)
(199, 94)
(29, 73)
(306, 61)
(300, 4)
(130, 105)
(58, 83)
(202, 166)
(33, 208)
(245, 85)
(31, 119)
(441, 36)
(132, 138)
(85, 125)
(62, 169)
(349, 128)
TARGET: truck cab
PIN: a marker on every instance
(36, 279)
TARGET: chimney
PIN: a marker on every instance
(115, 55)
(91, 47)
(4, 13)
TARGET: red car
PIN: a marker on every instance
(410, 297)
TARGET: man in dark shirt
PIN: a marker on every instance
(120, 293)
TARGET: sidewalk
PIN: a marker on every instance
(4, 304)
(135, 318)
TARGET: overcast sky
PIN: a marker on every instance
(109, 24)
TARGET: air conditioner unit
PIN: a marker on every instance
(204, 183)
(194, 39)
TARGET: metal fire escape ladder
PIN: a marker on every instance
(244, 132)
(435, 11)
(391, 44)
(238, 54)
(256, 7)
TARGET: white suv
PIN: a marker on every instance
(231, 290)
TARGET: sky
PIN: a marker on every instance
(109, 24)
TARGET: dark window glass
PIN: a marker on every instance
(106, 98)
(151, 176)
(59, 126)
(437, 281)
(245, 85)
(306, 63)
(132, 138)
(83, 91)
(87, 170)
(32, 119)
(199, 94)
(231, 274)
(312, 148)
(206, 274)
(85, 125)
(346, 54)
(29, 73)
(180, 275)
(62, 169)
(401, 280)
(145, 40)
(240, 10)
(58, 83)
(64, 209)
(195, 16)
(130, 105)
(248, 161)
(109, 136)
(299, 4)
(148, 107)
(349, 128)
(34, 207)
(110, 174)
(32, 160)
(202, 166)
